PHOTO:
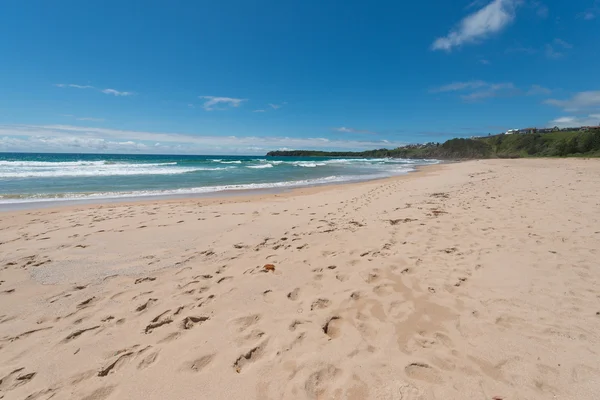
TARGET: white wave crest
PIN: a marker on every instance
(63, 164)
(121, 171)
(260, 166)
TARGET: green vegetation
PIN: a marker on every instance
(554, 144)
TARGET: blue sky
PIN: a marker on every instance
(241, 77)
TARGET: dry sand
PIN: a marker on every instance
(464, 281)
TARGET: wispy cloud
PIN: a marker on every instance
(553, 50)
(572, 121)
(563, 44)
(541, 9)
(579, 102)
(271, 107)
(68, 138)
(476, 4)
(557, 48)
(478, 90)
(344, 129)
(538, 90)
(105, 91)
(521, 49)
(492, 90)
(491, 19)
(592, 12)
(90, 119)
(213, 102)
(484, 61)
(456, 86)
(116, 92)
(72, 85)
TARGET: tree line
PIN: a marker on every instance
(554, 144)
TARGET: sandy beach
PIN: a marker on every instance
(474, 280)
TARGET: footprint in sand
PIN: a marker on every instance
(16, 378)
(100, 394)
(318, 382)
(198, 364)
(250, 357)
(293, 295)
(147, 361)
(242, 323)
(422, 372)
(78, 333)
(190, 322)
(332, 327)
(320, 304)
(268, 296)
(158, 321)
(145, 305)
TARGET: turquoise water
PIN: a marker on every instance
(50, 177)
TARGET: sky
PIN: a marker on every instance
(246, 77)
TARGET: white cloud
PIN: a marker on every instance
(521, 49)
(580, 101)
(555, 49)
(592, 12)
(551, 52)
(83, 118)
(345, 129)
(456, 86)
(572, 121)
(478, 90)
(589, 15)
(476, 4)
(479, 25)
(105, 91)
(562, 43)
(90, 119)
(492, 90)
(116, 92)
(69, 138)
(277, 106)
(538, 90)
(541, 9)
(71, 85)
(213, 101)
(259, 111)
(484, 61)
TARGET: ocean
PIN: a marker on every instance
(31, 177)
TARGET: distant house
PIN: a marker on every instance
(548, 130)
(511, 131)
(528, 130)
(589, 128)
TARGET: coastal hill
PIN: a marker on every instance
(553, 144)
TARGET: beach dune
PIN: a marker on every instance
(474, 280)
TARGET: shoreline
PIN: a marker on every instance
(242, 195)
